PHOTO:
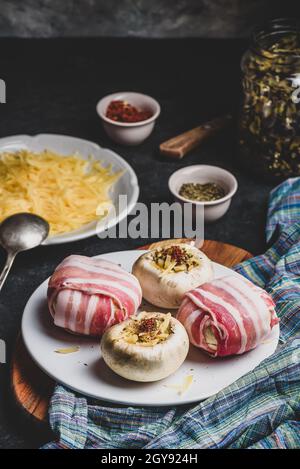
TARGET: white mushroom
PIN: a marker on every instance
(147, 347)
(166, 274)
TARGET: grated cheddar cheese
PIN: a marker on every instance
(65, 190)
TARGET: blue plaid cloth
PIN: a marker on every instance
(260, 410)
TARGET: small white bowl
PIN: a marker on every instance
(129, 133)
(202, 174)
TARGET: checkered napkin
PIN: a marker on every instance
(260, 410)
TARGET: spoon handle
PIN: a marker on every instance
(9, 261)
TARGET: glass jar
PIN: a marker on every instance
(269, 125)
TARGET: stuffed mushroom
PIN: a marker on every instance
(166, 274)
(147, 347)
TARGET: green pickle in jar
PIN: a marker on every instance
(269, 126)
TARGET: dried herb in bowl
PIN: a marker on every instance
(207, 192)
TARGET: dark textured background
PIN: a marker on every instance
(137, 18)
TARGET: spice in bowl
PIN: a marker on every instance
(207, 192)
(122, 111)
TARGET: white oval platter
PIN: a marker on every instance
(85, 371)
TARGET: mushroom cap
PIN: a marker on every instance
(166, 289)
(142, 363)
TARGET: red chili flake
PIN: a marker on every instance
(176, 253)
(147, 325)
(120, 111)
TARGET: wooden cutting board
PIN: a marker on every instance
(33, 388)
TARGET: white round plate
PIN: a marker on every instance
(127, 184)
(85, 371)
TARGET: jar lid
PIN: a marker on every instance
(278, 39)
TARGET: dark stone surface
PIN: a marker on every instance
(53, 86)
(138, 18)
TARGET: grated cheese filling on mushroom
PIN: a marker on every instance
(175, 259)
(148, 330)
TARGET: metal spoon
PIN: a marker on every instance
(18, 233)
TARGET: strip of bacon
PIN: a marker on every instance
(227, 316)
(88, 295)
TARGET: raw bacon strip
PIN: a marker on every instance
(227, 316)
(88, 295)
